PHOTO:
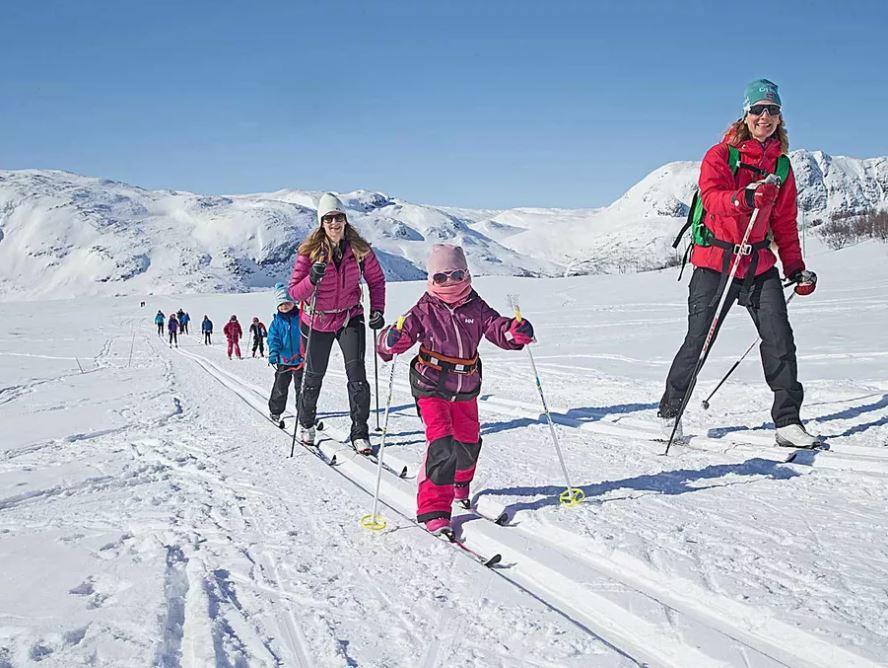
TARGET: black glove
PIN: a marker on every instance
(805, 281)
(376, 320)
(318, 269)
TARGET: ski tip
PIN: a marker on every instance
(403, 473)
(465, 504)
(502, 520)
(333, 461)
(494, 560)
(319, 425)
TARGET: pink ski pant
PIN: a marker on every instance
(454, 442)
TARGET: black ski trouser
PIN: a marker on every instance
(767, 307)
(160, 329)
(207, 341)
(260, 344)
(353, 344)
(174, 338)
(277, 402)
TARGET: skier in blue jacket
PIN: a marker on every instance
(207, 328)
(284, 353)
(159, 320)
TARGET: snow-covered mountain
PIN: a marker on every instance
(65, 235)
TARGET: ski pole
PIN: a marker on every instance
(376, 379)
(314, 299)
(710, 335)
(736, 364)
(374, 522)
(571, 496)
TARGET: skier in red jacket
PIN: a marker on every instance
(729, 199)
(233, 333)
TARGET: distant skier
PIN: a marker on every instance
(258, 332)
(159, 320)
(184, 319)
(207, 328)
(730, 195)
(330, 264)
(173, 329)
(234, 334)
(284, 353)
(449, 321)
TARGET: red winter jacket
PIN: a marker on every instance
(233, 331)
(728, 216)
(339, 291)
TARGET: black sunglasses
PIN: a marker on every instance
(759, 109)
(441, 277)
(330, 217)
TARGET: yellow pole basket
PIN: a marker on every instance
(373, 523)
(571, 497)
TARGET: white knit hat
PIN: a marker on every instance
(329, 203)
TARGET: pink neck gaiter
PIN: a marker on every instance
(451, 293)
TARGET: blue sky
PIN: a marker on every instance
(481, 103)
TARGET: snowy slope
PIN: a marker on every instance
(64, 235)
(149, 514)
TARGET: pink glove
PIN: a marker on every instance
(521, 331)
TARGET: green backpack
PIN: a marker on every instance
(702, 235)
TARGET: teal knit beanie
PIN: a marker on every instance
(758, 90)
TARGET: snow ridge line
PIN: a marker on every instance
(576, 591)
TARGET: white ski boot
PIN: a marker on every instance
(362, 446)
(308, 436)
(795, 436)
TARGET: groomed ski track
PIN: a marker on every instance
(615, 597)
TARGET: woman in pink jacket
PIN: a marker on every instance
(330, 265)
(449, 321)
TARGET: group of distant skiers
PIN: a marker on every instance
(747, 201)
(178, 322)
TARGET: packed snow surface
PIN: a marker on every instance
(150, 514)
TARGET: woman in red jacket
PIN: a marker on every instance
(331, 262)
(729, 198)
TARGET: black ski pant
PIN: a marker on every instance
(160, 329)
(352, 343)
(277, 402)
(174, 338)
(260, 344)
(766, 305)
(207, 341)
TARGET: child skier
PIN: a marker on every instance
(445, 377)
(159, 319)
(173, 329)
(284, 353)
(258, 331)
(234, 334)
(207, 328)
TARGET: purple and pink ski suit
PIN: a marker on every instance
(447, 396)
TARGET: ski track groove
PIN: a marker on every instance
(721, 622)
(670, 599)
(237, 386)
